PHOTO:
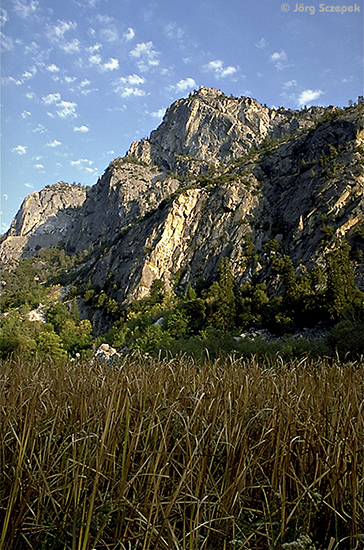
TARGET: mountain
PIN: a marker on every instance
(221, 176)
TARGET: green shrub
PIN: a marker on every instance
(57, 315)
(177, 324)
(49, 344)
(272, 246)
(76, 338)
(151, 340)
(18, 335)
(347, 338)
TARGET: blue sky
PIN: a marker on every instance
(82, 79)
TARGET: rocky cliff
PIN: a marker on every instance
(43, 220)
(220, 176)
(209, 128)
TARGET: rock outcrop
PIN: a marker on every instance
(43, 220)
(220, 176)
(106, 354)
(210, 128)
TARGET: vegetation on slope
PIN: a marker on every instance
(209, 317)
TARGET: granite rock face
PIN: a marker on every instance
(220, 177)
(43, 220)
(210, 128)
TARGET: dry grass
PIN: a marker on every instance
(181, 455)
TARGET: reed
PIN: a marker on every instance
(180, 454)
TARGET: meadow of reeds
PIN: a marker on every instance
(180, 454)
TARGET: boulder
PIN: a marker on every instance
(106, 353)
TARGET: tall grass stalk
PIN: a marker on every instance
(180, 454)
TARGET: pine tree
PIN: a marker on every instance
(342, 294)
(289, 279)
(156, 292)
(224, 316)
(190, 293)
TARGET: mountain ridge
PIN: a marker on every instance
(202, 187)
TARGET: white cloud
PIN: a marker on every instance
(58, 31)
(280, 60)
(109, 32)
(105, 19)
(84, 164)
(53, 143)
(6, 42)
(133, 79)
(40, 128)
(217, 67)
(173, 31)
(3, 16)
(66, 109)
(39, 166)
(82, 129)
(290, 84)
(183, 85)
(28, 185)
(110, 35)
(127, 86)
(129, 92)
(261, 44)
(56, 34)
(81, 163)
(10, 80)
(32, 48)
(158, 114)
(70, 79)
(71, 47)
(282, 56)
(129, 34)
(85, 82)
(95, 48)
(142, 48)
(95, 59)
(29, 74)
(5, 196)
(146, 55)
(20, 149)
(25, 9)
(111, 65)
(25, 114)
(307, 96)
(51, 98)
(52, 68)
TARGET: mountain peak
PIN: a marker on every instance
(212, 129)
